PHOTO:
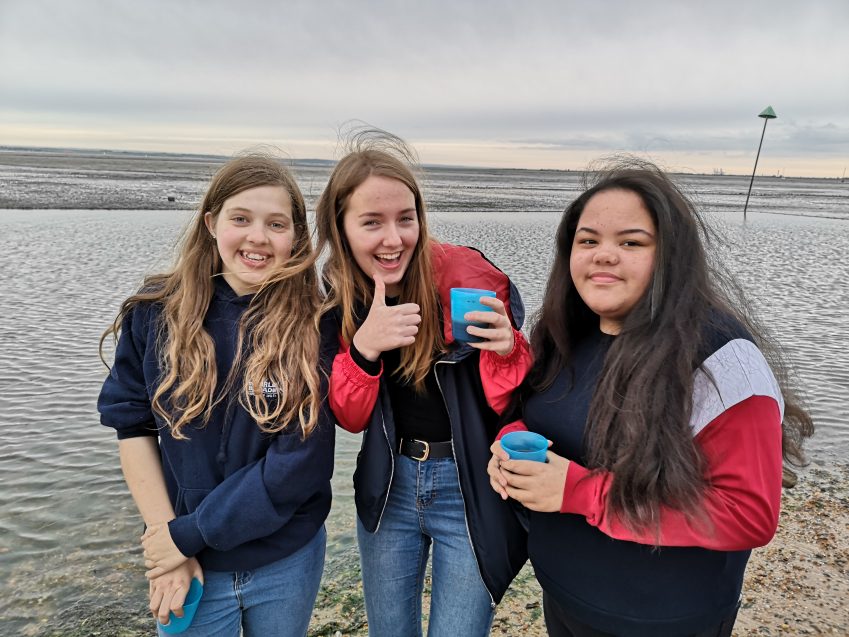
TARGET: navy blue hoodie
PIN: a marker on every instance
(243, 498)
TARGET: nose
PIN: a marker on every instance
(605, 254)
(256, 233)
(392, 238)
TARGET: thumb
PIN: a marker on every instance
(379, 291)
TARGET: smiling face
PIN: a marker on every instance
(613, 253)
(382, 229)
(254, 234)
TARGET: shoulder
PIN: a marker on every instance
(462, 266)
(733, 370)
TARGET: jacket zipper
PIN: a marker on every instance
(460, 481)
(391, 466)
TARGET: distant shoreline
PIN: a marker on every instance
(44, 152)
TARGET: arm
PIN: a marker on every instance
(742, 447)
(257, 500)
(500, 375)
(353, 392)
(743, 450)
(354, 389)
(124, 405)
(142, 469)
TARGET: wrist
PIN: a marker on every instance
(366, 352)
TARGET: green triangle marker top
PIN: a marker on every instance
(767, 113)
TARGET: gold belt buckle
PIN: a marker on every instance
(426, 451)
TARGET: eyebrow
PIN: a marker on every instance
(383, 214)
(618, 234)
(249, 211)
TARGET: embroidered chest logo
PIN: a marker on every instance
(269, 389)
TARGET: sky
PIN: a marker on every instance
(547, 84)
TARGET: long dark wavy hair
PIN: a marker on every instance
(638, 424)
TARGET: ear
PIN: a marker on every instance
(210, 223)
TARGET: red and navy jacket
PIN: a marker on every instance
(689, 577)
(361, 402)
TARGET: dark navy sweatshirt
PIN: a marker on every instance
(243, 498)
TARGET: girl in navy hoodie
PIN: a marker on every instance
(217, 398)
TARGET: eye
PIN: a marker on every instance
(239, 219)
(631, 243)
(371, 223)
(587, 242)
(408, 219)
(279, 226)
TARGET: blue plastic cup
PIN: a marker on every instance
(179, 624)
(467, 300)
(525, 445)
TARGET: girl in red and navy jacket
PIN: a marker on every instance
(217, 396)
(667, 423)
(401, 377)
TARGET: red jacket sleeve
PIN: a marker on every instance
(500, 375)
(353, 393)
(516, 425)
(743, 451)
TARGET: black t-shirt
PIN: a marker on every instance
(419, 415)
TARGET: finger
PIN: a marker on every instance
(178, 600)
(498, 489)
(154, 572)
(198, 572)
(495, 303)
(155, 599)
(523, 467)
(490, 318)
(379, 291)
(149, 563)
(165, 607)
(408, 308)
(498, 451)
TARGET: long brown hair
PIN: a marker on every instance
(638, 423)
(375, 152)
(279, 326)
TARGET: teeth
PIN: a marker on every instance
(388, 257)
(253, 256)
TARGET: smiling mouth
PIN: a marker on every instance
(604, 278)
(392, 257)
(254, 257)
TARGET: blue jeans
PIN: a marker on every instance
(425, 507)
(276, 599)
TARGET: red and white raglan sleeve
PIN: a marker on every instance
(742, 447)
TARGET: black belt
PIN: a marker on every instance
(424, 450)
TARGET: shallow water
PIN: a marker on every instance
(68, 528)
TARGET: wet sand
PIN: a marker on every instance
(796, 585)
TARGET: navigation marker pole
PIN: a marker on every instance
(767, 115)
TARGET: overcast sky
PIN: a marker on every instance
(488, 82)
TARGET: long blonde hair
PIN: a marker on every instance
(380, 154)
(280, 325)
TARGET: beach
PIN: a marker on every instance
(69, 559)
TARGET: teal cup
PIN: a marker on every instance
(525, 445)
(179, 624)
(467, 300)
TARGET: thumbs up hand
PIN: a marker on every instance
(386, 327)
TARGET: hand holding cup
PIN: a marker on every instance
(479, 318)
